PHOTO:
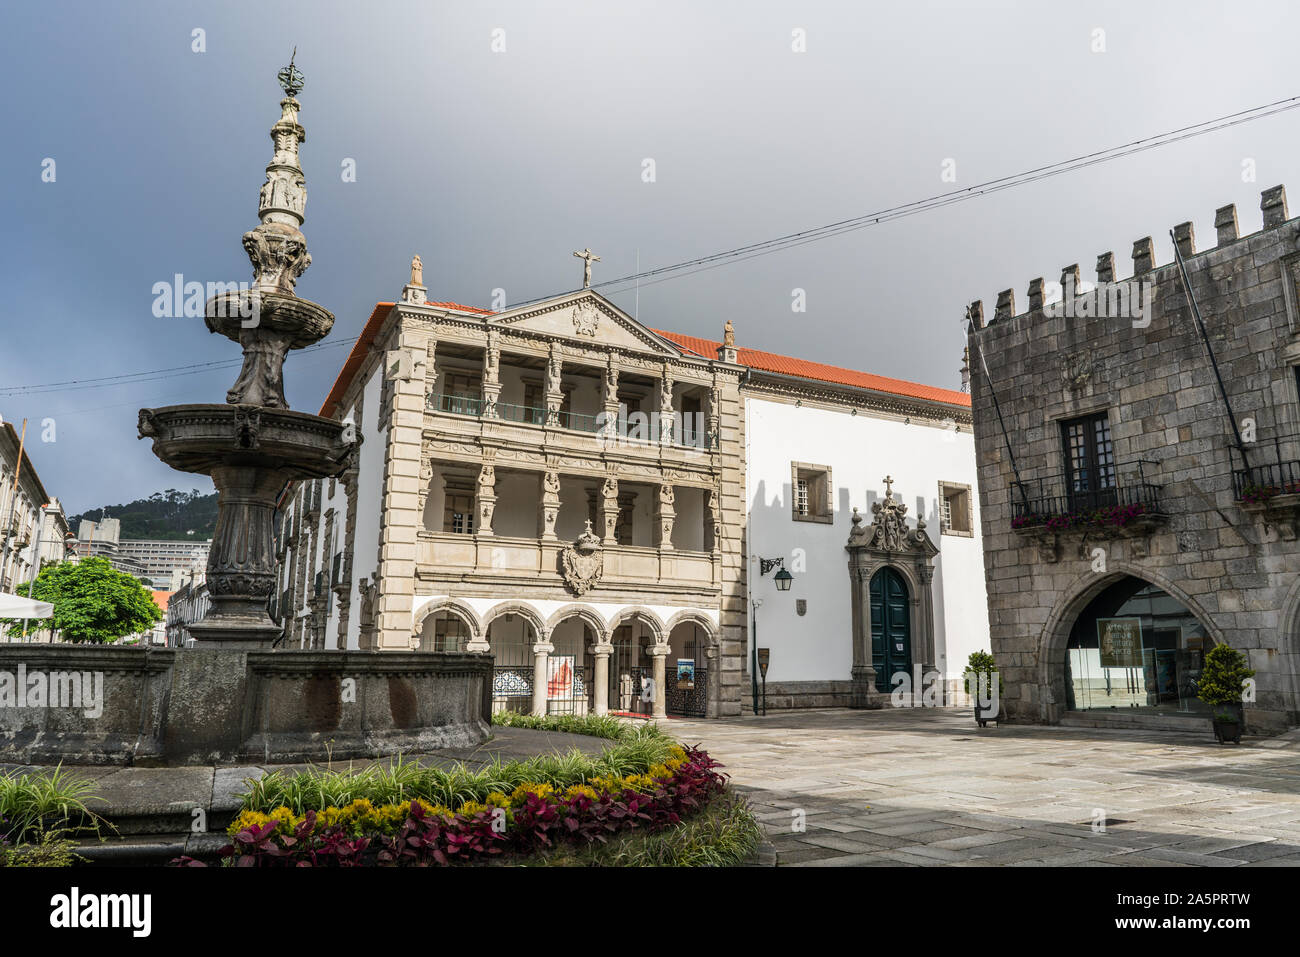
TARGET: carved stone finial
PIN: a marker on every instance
(729, 335)
(889, 482)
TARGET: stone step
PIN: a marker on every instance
(1142, 721)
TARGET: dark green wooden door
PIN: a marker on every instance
(891, 634)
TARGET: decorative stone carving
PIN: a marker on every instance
(1076, 370)
(583, 562)
(888, 530)
(586, 319)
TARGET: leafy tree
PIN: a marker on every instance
(93, 601)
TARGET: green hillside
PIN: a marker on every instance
(171, 515)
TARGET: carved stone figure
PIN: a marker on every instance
(417, 271)
(588, 257)
(729, 335)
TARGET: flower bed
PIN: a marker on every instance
(1111, 516)
(534, 817)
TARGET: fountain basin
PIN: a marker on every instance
(191, 706)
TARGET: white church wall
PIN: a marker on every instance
(860, 451)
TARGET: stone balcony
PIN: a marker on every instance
(593, 435)
(534, 564)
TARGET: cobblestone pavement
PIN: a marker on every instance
(927, 787)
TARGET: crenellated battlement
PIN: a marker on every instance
(1272, 204)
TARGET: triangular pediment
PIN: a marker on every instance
(588, 318)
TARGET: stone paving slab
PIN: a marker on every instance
(924, 787)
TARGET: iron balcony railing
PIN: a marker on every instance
(455, 404)
(1273, 468)
(1061, 502)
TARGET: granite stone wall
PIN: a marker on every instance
(1234, 562)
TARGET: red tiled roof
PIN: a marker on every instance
(708, 348)
(803, 369)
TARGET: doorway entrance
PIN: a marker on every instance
(891, 632)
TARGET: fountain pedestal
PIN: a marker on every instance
(251, 452)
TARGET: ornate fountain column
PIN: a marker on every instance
(253, 445)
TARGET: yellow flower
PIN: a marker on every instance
(583, 790)
(521, 793)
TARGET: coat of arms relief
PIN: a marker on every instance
(586, 319)
(583, 562)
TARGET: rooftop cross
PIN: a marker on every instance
(889, 481)
(588, 258)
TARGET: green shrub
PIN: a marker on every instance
(52, 849)
(596, 725)
(404, 781)
(1223, 675)
(978, 663)
(35, 801)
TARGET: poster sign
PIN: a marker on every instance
(764, 656)
(686, 669)
(559, 676)
(1119, 641)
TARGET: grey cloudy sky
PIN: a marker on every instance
(495, 166)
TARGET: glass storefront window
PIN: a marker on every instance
(1135, 647)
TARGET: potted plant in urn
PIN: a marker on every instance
(1221, 688)
(982, 663)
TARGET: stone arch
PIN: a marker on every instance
(529, 613)
(588, 614)
(713, 652)
(697, 617)
(646, 615)
(1289, 623)
(456, 607)
(1056, 632)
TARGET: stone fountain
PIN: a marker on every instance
(233, 698)
(253, 445)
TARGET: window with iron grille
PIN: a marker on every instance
(956, 509)
(810, 493)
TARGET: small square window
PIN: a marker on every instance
(811, 493)
(956, 511)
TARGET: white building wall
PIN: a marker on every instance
(370, 476)
(860, 451)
